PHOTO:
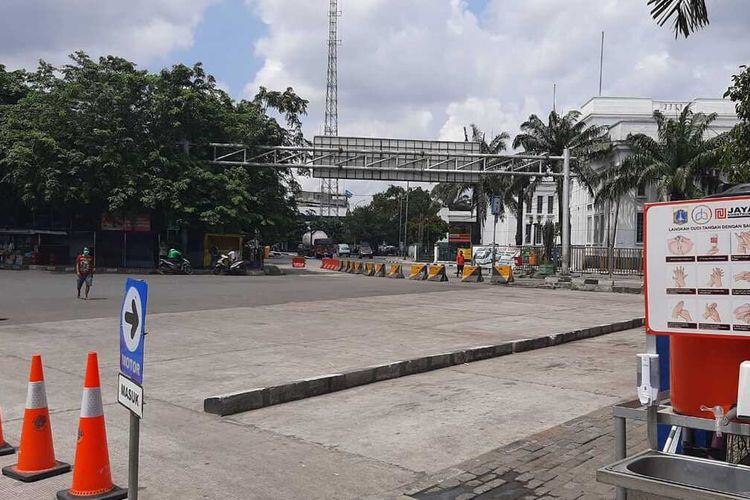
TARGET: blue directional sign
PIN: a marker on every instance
(132, 329)
(496, 206)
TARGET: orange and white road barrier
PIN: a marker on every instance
(396, 272)
(379, 270)
(418, 272)
(92, 478)
(36, 453)
(472, 274)
(5, 448)
(436, 272)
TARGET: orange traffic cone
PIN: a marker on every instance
(5, 448)
(36, 453)
(92, 478)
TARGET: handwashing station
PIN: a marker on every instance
(697, 285)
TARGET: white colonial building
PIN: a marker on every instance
(623, 116)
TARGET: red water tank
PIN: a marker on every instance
(704, 371)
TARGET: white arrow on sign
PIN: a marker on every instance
(132, 319)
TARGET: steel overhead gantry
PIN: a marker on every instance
(432, 163)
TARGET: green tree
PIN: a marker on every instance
(737, 150)
(680, 163)
(102, 136)
(561, 132)
(378, 221)
(688, 15)
(477, 195)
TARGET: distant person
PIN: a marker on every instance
(85, 272)
(460, 261)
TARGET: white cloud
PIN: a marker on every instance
(139, 30)
(427, 68)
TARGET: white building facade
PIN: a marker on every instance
(589, 224)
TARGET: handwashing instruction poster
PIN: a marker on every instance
(697, 276)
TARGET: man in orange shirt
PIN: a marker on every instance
(460, 260)
(85, 272)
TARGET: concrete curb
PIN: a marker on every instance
(253, 399)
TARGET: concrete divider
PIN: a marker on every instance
(472, 274)
(252, 399)
(436, 272)
(501, 275)
(359, 268)
(352, 267)
(379, 270)
(342, 266)
(396, 272)
(418, 272)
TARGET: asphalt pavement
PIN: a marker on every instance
(212, 334)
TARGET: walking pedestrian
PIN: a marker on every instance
(84, 272)
(460, 260)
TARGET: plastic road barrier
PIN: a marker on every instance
(436, 272)
(379, 270)
(396, 272)
(418, 272)
(298, 261)
(501, 275)
(36, 453)
(369, 269)
(472, 274)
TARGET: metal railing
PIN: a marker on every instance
(588, 259)
(626, 261)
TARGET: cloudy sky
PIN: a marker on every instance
(407, 68)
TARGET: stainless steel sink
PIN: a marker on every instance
(678, 476)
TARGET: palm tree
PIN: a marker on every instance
(477, 195)
(681, 163)
(560, 132)
(689, 15)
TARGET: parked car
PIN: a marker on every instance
(365, 251)
(343, 250)
(387, 249)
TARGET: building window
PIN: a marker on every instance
(599, 229)
(550, 204)
(527, 234)
(538, 232)
(639, 227)
(539, 204)
(528, 206)
(589, 229)
(640, 192)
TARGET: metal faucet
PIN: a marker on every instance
(720, 418)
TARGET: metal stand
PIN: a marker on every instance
(135, 435)
(566, 213)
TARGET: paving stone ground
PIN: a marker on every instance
(559, 463)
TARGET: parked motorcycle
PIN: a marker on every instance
(227, 265)
(167, 266)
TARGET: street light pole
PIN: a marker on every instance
(566, 213)
(406, 222)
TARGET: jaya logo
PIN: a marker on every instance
(720, 213)
(738, 212)
(701, 214)
(680, 216)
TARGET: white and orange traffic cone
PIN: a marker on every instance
(92, 478)
(5, 448)
(36, 453)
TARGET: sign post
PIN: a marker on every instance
(130, 378)
(496, 208)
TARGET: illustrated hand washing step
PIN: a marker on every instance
(252, 399)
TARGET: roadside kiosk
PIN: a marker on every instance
(697, 291)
